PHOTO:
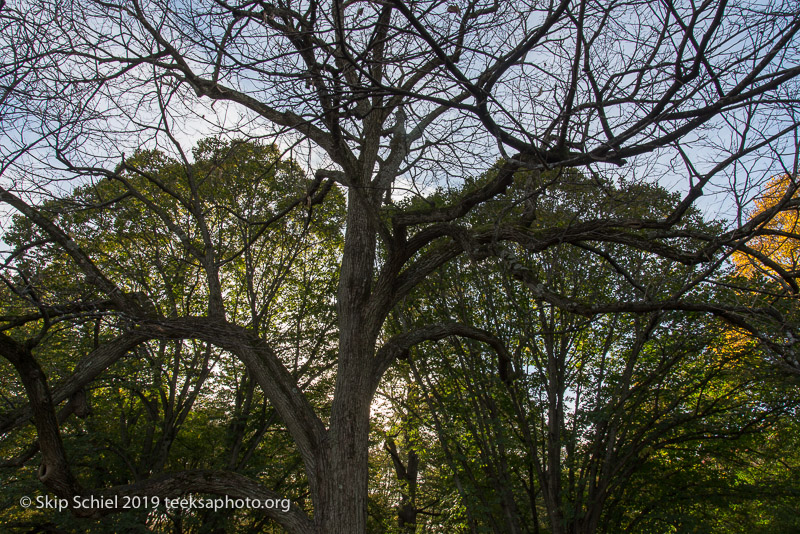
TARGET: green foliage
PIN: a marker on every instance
(604, 421)
(609, 421)
(154, 227)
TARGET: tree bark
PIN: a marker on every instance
(343, 468)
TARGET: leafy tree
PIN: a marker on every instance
(379, 101)
(165, 405)
(564, 425)
(773, 252)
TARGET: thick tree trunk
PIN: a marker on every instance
(343, 467)
(341, 506)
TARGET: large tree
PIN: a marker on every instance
(558, 427)
(163, 405)
(383, 100)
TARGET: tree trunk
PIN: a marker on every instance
(341, 505)
(54, 471)
(343, 466)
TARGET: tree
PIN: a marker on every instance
(769, 261)
(549, 431)
(166, 394)
(774, 252)
(382, 100)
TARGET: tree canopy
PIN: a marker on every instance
(417, 266)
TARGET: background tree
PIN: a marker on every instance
(170, 405)
(548, 432)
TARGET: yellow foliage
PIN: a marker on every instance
(782, 248)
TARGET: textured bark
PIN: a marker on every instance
(343, 468)
(272, 376)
